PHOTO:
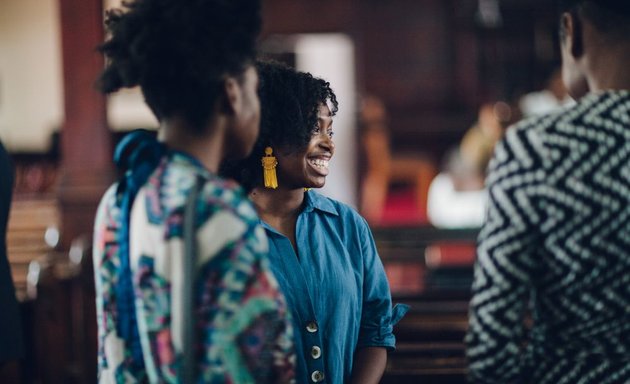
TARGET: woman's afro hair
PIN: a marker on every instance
(289, 102)
(179, 51)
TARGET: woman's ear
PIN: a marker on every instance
(572, 27)
(232, 96)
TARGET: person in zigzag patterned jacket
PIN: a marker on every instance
(555, 245)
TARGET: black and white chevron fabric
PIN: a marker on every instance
(555, 249)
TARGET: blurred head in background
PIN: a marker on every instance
(595, 45)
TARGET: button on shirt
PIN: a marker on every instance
(335, 287)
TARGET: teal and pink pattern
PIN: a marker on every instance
(244, 334)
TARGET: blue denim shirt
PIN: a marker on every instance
(335, 287)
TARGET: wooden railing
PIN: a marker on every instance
(32, 232)
(58, 318)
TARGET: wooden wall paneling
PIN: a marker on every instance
(307, 16)
(465, 52)
(411, 64)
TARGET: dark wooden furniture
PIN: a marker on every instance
(55, 291)
(430, 345)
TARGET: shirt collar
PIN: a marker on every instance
(313, 200)
(186, 160)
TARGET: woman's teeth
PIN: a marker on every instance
(320, 163)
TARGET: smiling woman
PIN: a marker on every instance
(321, 250)
(297, 113)
(308, 167)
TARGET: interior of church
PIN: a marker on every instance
(425, 90)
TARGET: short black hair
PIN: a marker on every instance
(289, 102)
(611, 17)
(179, 51)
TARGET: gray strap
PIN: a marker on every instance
(189, 361)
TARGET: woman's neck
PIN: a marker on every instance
(277, 203)
(207, 147)
(280, 209)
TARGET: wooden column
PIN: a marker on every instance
(85, 140)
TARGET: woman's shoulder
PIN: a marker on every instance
(107, 206)
(174, 181)
(228, 195)
(346, 212)
(230, 220)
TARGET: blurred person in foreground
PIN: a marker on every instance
(548, 100)
(321, 251)
(457, 197)
(193, 60)
(555, 248)
(11, 347)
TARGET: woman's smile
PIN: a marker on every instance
(319, 164)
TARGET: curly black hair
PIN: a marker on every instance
(179, 52)
(289, 102)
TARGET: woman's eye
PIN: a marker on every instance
(316, 131)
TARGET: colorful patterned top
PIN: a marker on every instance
(243, 333)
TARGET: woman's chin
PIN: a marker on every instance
(317, 183)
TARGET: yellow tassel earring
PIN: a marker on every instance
(269, 163)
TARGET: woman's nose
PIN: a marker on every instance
(327, 142)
